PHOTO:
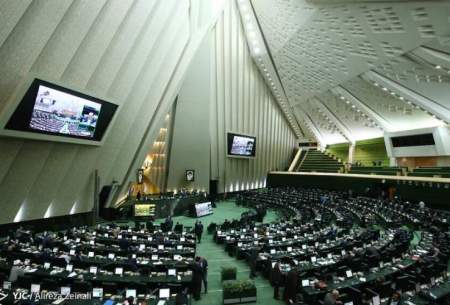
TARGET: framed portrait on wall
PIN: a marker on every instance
(140, 176)
(190, 175)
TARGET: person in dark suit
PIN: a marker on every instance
(124, 244)
(47, 242)
(276, 280)
(182, 298)
(253, 257)
(178, 228)
(198, 230)
(132, 263)
(290, 291)
(204, 265)
(197, 277)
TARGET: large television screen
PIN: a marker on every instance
(144, 209)
(241, 145)
(51, 109)
(413, 140)
(62, 113)
(203, 209)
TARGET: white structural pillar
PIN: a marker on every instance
(351, 152)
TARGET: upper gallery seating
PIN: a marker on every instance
(442, 172)
(376, 170)
(362, 246)
(316, 161)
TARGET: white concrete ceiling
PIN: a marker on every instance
(349, 70)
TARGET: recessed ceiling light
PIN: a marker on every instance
(342, 97)
(438, 67)
(257, 50)
(385, 89)
(401, 97)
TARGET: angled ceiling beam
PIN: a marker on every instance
(433, 58)
(340, 91)
(300, 112)
(432, 107)
(263, 60)
(337, 122)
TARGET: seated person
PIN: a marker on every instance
(124, 244)
(178, 228)
(395, 299)
(331, 298)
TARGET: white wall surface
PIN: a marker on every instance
(242, 103)
(191, 137)
(125, 50)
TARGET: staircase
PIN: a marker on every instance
(316, 161)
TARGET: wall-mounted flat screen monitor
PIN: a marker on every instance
(413, 140)
(48, 111)
(203, 209)
(144, 210)
(241, 145)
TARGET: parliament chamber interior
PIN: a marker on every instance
(218, 152)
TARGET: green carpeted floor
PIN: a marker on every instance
(217, 257)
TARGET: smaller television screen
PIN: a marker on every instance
(203, 209)
(144, 210)
(241, 145)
